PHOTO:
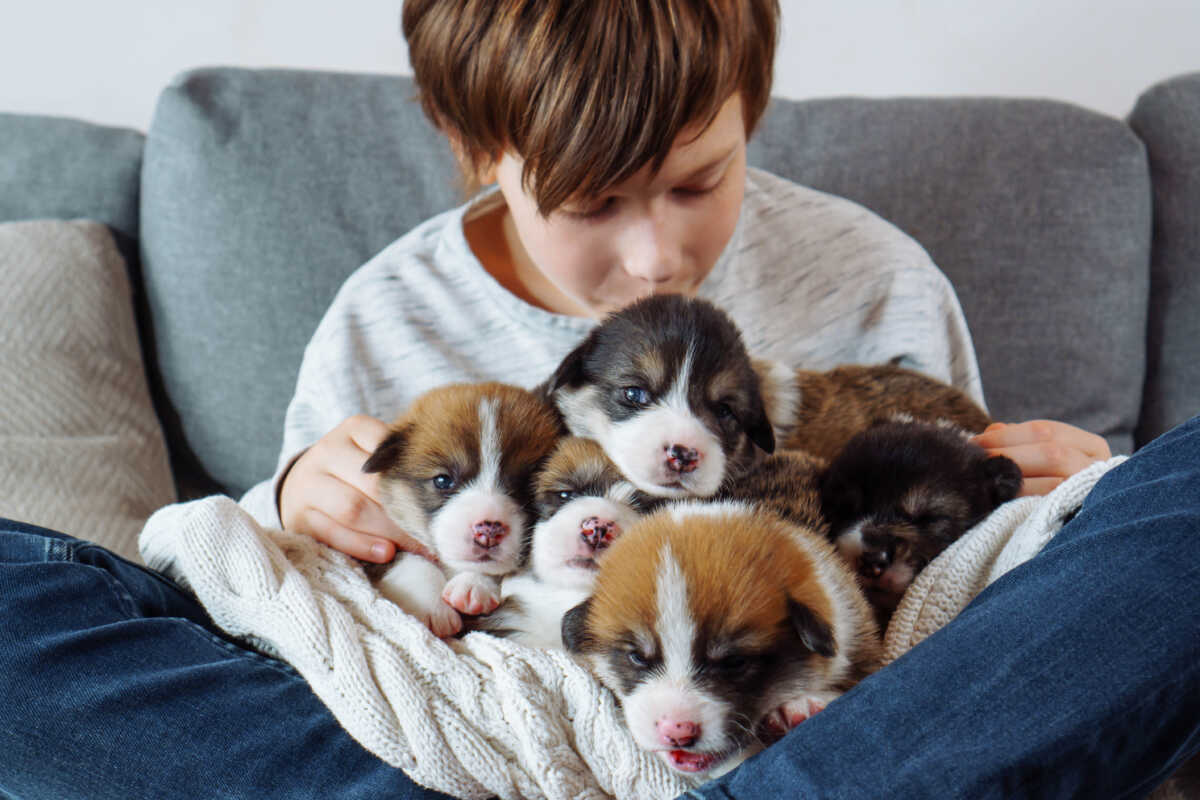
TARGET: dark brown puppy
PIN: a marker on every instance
(900, 493)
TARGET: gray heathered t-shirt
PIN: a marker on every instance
(811, 279)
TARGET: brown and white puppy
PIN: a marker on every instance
(457, 473)
(829, 407)
(713, 622)
(583, 504)
(787, 482)
(900, 493)
(668, 390)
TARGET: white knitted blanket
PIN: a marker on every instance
(482, 716)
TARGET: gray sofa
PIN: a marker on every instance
(1073, 239)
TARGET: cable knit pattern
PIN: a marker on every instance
(1010, 536)
(482, 716)
(474, 718)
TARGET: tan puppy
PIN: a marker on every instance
(583, 505)
(714, 621)
(457, 474)
(818, 412)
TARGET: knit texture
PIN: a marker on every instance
(1010, 536)
(481, 716)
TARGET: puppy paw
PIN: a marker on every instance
(793, 712)
(442, 620)
(472, 593)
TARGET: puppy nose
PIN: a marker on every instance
(678, 733)
(682, 459)
(873, 563)
(489, 532)
(599, 533)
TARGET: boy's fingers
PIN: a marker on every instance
(1057, 434)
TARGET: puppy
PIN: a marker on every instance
(715, 623)
(900, 493)
(583, 504)
(831, 406)
(668, 390)
(457, 473)
(787, 482)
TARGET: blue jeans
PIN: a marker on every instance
(1076, 675)
(114, 683)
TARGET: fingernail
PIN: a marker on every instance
(379, 550)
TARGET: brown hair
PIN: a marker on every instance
(586, 92)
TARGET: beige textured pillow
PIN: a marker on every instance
(81, 450)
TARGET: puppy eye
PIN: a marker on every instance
(565, 495)
(638, 660)
(734, 663)
(724, 411)
(443, 483)
(636, 395)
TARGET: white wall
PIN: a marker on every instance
(107, 60)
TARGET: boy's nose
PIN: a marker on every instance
(651, 253)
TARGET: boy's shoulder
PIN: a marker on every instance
(785, 220)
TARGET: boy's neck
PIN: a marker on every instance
(492, 237)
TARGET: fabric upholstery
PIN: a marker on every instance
(81, 449)
(1039, 213)
(1167, 118)
(65, 169)
(262, 191)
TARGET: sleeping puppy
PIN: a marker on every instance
(900, 493)
(668, 390)
(787, 482)
(583, 504)
(831, 406)
(457, 473)
(716, 623)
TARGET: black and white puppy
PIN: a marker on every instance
(900, 493)
(668, 390)
(583, 505)
(718, 623)
(457, 473)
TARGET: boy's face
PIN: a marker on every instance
(652, 233)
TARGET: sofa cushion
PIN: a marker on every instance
(55, 168)
(262, 191)
(1167, 118)
(81, 450)
(1037, 211)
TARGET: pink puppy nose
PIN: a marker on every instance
(599, 533)
(682, 459)
(489, 532)
(678, 733)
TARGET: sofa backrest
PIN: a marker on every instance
(1167, 118)
(261, 190)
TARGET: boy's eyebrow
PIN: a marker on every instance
(711, 164)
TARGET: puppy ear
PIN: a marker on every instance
(814, 632)
(569, 371)
(389, 452)
(780, 392)
(1003, 476)
(574, 628)
(759, 429)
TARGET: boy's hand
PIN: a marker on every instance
(1047, 452)
(327, 496)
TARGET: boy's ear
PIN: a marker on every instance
(389, 452)
(1003, 476)
(574, 628)
(814, 632)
